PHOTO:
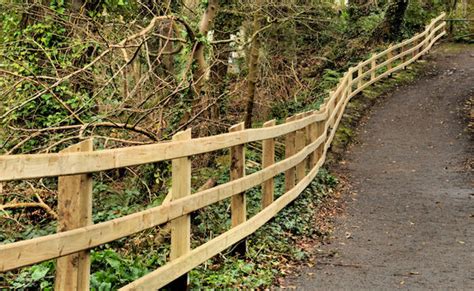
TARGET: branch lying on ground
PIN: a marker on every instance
(39, 204)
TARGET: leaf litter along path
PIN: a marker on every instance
(409, 218)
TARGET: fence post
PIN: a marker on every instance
(320, 128)
(308, 134)
(238, 201)
(268, 159)
(426, 41)
(413, 54)
(373, 64)
(313, 135)
(360, 71)
(332, 105)
(430, 37)
(74, 211)
(349, 83)
(289, 151)
(181, 226)
(300, 143)
(403, 57)
(445, 25)
(389, 57)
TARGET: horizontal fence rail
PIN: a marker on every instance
(307, 135)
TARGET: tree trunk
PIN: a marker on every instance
(390, 28)
(228, 23)
(253, 69)
(201, 74)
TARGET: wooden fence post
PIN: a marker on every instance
(290, 151)
(426, 39)
(349, 83)
(403, 57)
(413, 54)
(308, 139)
(360, 71)
(389, 57)
(181, 226)
(268, 159)
(300, 143)
(320, 128)
(430, 37)
(373, 64)
(332, 105)
(74, 211)
(313, 135)
(238, 201)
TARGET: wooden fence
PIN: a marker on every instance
(307, 138)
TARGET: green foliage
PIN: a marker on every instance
(330, 79)
(461, 29)
(112, 270)
(42, 49)
(234, 273)
(367, 24)
(268, 246)
(37, 277)
(417, 15)
(362, 22)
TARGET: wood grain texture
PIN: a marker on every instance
(268, 159)
(181, 183)
(180, 226)
(290, 139)
(390, 58)
(300, 143)
(237, 171)
(19, 167)
(360, 75)
(74, 211)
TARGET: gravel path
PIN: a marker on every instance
(409, 220)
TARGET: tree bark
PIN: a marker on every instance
(253, 69)
(201, 74)
(390, 28)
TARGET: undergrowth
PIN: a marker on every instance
(270, 248)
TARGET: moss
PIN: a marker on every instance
(452, 47)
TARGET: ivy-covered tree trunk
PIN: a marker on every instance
(390, 28)
(201, 74)
(228, 23)
(253, 68)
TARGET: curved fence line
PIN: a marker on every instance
(307, 135)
